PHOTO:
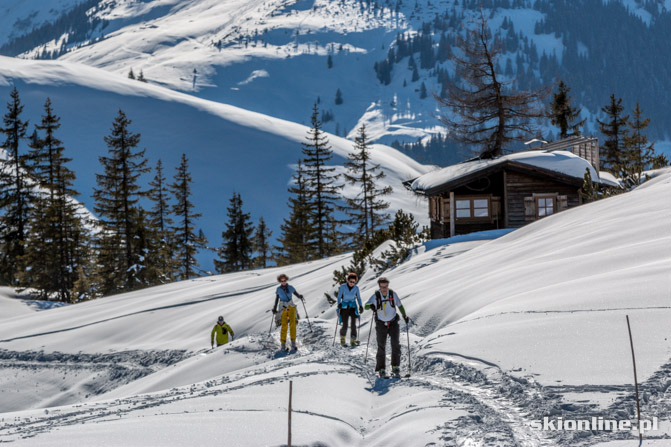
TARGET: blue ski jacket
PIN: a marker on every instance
(349, 297)
(285, 294)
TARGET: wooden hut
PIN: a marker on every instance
(506, 192)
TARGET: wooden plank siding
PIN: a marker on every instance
(519, 185)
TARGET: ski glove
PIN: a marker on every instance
(372, 307)
(360, 309)
(300, 296)
(274, 310)
(407, 319)
(339, 307)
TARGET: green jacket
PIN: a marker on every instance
(221, 331)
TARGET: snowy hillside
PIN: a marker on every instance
(229, 149)
(278, 57)
(505, 332)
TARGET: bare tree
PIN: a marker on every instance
(486, 111)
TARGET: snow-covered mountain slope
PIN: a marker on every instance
(272, 56)
(505, 332)
(229, 149)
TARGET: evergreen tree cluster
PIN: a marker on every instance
(49, 245)
(626, 151)
(78, 24)
(313, 228)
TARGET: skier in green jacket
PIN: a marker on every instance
(221, 330)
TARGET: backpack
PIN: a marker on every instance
(378, 296)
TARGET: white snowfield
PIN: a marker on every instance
(504, 333)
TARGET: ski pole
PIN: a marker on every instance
(369, 331)
(272, 318)
(407, 332)
(336, 329)
(358, 330)
(306, 314)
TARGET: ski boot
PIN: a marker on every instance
(353, 342)
(293, 345)
(396, 372)
(382, 374)
(343, 343)
(283, 347)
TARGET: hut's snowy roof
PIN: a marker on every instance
(560, 162)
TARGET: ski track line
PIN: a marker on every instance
(323, 353)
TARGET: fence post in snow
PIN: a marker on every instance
(638, 405)
(290, 391)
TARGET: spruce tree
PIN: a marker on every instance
(58, 240)
(162, 254)
(187, 242)
(236, 249)
(614, 129)
(322, 192)
(296, 229)
(366, 209)
(261, 244)
(116, 202)
(422, 91)
(16, 195)
(563, 115)
(639, 152)
(338, 98)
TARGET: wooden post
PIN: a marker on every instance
(453, 214)
(291, 383)
(638, 404)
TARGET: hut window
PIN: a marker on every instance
(545, 206)
(472, 208)
(463, 209)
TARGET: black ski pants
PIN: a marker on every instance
(382, 330)
(348, 315)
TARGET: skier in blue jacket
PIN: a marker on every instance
(348, 297)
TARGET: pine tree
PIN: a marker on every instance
(338, 98)
(162, 254)
(614, 128)
(296, 229)
(16, 196)
(187, 242)
(131, 75)
(329, 61)
(261, 244)
(486, 112)
(322, 192)
(366, 208)
(563, 115)
(120, 257)
(141, 77)
(58, 240)
(639, 152)
(589, 191)
(422, 91)
(236, 249)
